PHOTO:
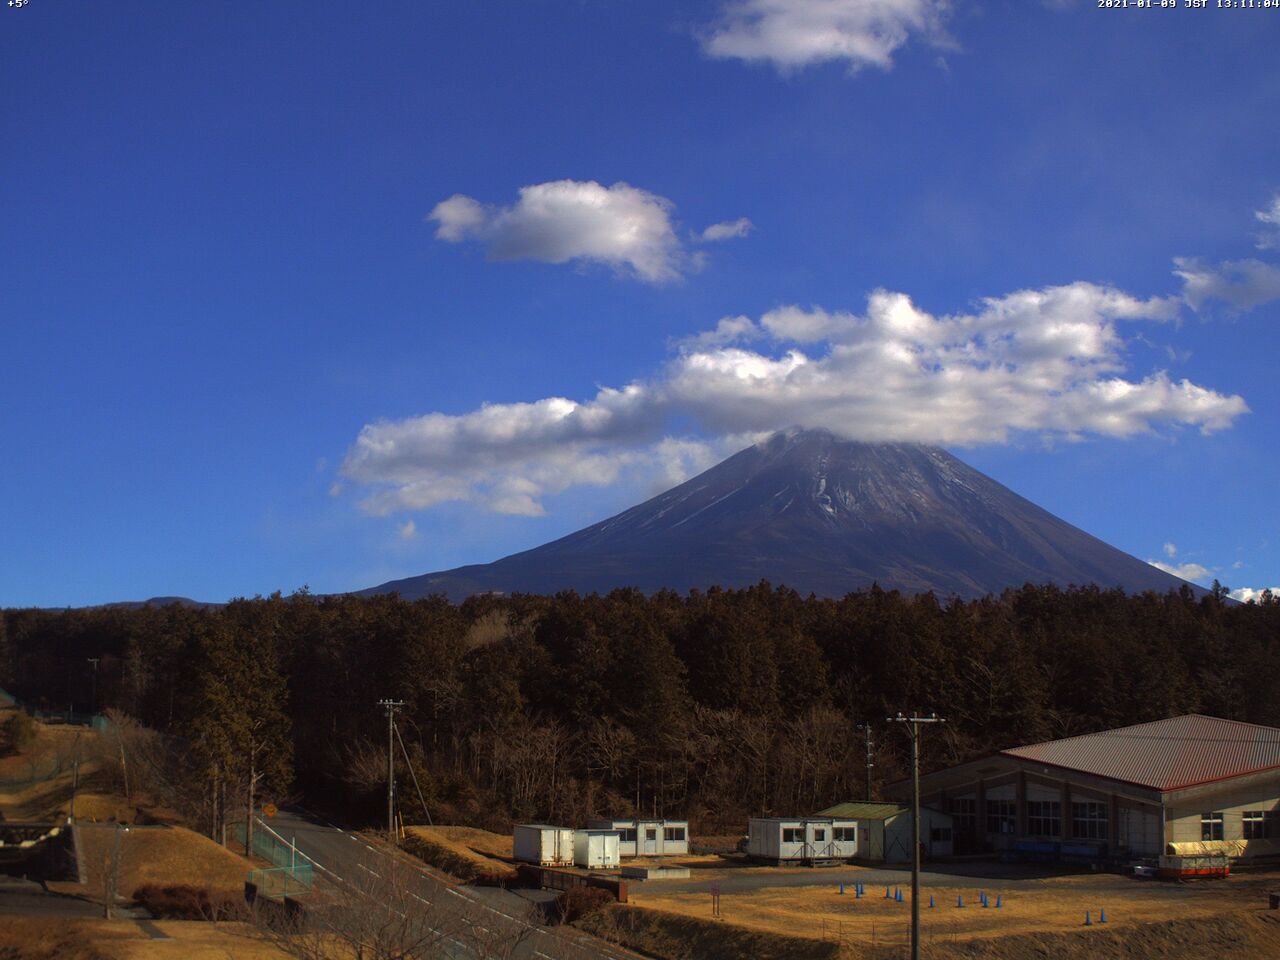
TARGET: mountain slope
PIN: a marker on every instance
(820, 515)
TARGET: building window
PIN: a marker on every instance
(819, 835)
(964, 814)
(940, 835)
(651, 833)
(1002, 816)
(1089, 820)
(1211, 825)
(793, 834)
(1044, 818)
(670, 834)
(626, 834)
(1260, 824)
(844, 834)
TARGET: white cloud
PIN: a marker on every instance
(1170, 550)
(729, 330)
(1270, 239)
(621, 226)
(407, 530)
(792, 34)
(1246, 594)
(727, 230)
(1049, 361)
(1242, 284)
(1187, 571)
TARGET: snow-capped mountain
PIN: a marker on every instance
(820, 515)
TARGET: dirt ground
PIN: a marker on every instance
(1056, 905)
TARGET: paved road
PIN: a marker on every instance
(29, 899)
(356, 866)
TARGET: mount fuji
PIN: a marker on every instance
(820, 515)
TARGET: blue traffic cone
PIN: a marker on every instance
(1102, 915)
(931, 903)
(898, 895)
(998, 901)
(842, 888)
(887, 894)
(1088, 921)
(959, 901)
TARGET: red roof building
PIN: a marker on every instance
(1185, 785)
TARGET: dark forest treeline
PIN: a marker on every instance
(712, 705)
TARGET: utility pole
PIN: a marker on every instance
(93, 700)
(914, 730)
(392, 707)
(866, 730)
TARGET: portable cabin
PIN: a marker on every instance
(647, 838)
(884, 831)
(596, 849)
(806, 840)
(542, 844)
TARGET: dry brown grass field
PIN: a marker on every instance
(161, 855)
(1051, 906)
(467, 853)
(30, 938)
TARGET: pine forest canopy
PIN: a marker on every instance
(710, 705)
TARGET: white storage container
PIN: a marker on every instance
(542, 844)
(596, 849)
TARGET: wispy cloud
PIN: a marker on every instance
(1049, 361)
(1187, 571)
(790, 34)
(1269, 215)
(728, 230)
(1241, 284)
(407, 530)
(562, 221)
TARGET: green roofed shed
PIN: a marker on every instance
(864, 811)
(884, 830)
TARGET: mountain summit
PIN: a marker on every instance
(820, 515)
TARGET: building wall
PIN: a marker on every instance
(1183, 815)
(660, 846)
(815, 840)
(1002, 804)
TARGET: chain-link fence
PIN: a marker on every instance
(293, 873)
(43, 764)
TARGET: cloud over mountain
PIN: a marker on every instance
(791, 34)
(620, 226)
(1050, 361)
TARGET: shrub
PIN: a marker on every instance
(578, 902)
(181, 902)
(19, 732)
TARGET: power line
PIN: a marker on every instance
(914, 730)
(392, 707)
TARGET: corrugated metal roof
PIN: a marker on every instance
(863, 811)
(1165, 754)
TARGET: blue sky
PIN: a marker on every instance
(327, 294)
